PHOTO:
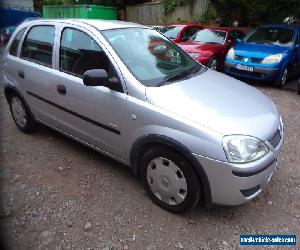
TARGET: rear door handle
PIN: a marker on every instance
(21, 73)
(61, 89)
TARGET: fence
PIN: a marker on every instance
(152, 13)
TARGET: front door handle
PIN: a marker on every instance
(61, 89)
(21, 73)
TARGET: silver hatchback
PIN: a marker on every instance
(189, 133)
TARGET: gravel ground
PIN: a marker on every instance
(58, 194)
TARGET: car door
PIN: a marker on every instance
(93, 114)
(34, 70)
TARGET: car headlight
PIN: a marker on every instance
(243, 149)
(194, 55)
(230, 53)
(272, 59)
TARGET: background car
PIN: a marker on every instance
(210, 46)
(180, 32)
(269, 53)
(7, 32)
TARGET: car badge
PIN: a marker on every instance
(246, 60)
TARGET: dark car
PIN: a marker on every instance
(210, 46)
(7, 32)
(180, 32)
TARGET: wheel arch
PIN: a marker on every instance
(144, 143)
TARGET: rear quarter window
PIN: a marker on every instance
(38, 45)
(13, 50)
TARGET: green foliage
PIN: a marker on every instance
(170, 5)
(254, 12)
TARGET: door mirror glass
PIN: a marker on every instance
(95, 77)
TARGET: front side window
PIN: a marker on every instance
(79, 53)
(15, 44)
(188, 33)
(151, 57)
(272, 36)
(209, 36)
(38, 45)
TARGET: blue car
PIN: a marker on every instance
(270, 53)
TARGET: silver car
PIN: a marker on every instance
(189, 133)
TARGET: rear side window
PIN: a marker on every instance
(38, 45)
(15, 44)
(79, 53)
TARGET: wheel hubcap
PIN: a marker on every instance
(213, 64)
(166, 181)
(18, 111)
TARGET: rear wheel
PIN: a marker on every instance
(281, 81)
(21, 114)
(171, 182)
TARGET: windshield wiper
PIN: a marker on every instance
(180, 75)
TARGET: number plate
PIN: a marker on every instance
(244, 67)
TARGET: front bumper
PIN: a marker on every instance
(235, 184)
(258, 73)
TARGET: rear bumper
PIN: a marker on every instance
(258, 73)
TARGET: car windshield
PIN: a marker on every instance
(151, 57)
(271, 35)
(209, 36)
(171, 31)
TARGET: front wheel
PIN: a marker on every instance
(170, 180)
(281, 81)
(21, 114)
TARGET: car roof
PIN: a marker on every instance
(222, 28)
(96, 23)
(281, 25)
(182, 24)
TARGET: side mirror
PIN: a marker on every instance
(95, 77)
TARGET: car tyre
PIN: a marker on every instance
(170, 180)
(281, 81)
(21, 114)
(213, 63)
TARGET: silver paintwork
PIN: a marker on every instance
(196, 112)
(166, 181)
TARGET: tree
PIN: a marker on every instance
(254, 12)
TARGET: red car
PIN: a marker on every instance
(180, 32)
(209, 46)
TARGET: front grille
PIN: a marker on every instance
(275, 139)
(237, 57)
(256, 60)
(250, 191)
